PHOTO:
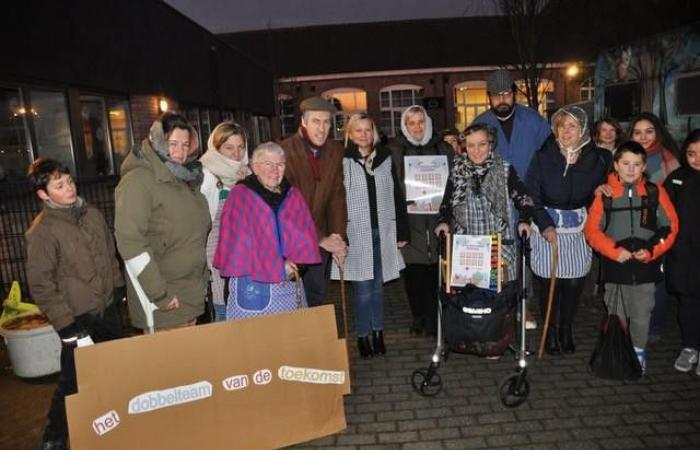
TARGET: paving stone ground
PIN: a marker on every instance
(567, 407)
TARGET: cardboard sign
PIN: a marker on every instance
(259, 383)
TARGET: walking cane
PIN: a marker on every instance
(344, 307)
(550, 297)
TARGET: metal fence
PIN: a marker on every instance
(18, 207)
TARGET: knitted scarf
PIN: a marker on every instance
(226, 170)
(480, 179)
(191, 170)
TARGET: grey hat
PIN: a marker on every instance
(317, 104)
(499, 81)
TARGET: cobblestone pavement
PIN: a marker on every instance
(567, 407)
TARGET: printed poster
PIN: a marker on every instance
(426, 178)
(471, 260)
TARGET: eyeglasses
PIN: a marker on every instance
(269, 165)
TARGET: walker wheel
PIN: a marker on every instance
(428, 385)
(514, 390)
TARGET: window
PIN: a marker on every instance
(470, 101)
(97, 146)
(587, 89)
(545, 95)
(287, 121)
(260, 128)
(393, 100)
(192, 116)
(120, 130)
(15, 146)
(227, 116)
(347, 101)
(205, 128)
(49, 118)
(622, 101)
(687, 88)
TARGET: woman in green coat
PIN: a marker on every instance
(161, 226)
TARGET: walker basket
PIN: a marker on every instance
(479, 321)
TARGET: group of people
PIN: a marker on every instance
(259, 231)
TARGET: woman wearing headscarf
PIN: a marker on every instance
(266, 232)
(420, 255)
(225, 162)
(481, 193)
(161, 225)
(562, 178)
(377, 227)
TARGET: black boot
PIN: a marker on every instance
(417, 327)
(566, 340)
(364, 347)
(378, 342)
(551, 345)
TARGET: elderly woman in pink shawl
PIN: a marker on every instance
(266, 232)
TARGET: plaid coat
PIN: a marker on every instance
(359, 262)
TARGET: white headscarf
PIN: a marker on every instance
(428, 125)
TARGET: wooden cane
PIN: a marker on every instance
(344, 308)
(550, 297)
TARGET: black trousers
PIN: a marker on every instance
(689, 320)
(315, 280)
(101, 328)
(420, 281)
(567, 293)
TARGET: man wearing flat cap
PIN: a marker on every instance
(521, 131)
(315, 167)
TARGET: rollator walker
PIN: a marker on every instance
(479, 321)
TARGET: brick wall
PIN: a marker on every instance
(144, 110)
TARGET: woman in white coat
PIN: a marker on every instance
(377, 227)
(225, 163)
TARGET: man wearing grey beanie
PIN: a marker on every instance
(521, 130)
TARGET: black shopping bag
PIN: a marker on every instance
(614, 356)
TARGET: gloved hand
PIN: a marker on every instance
(69, 335)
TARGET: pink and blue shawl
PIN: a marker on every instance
(255, 242)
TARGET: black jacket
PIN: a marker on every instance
(683, 260)
(549, 187)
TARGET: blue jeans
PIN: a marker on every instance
(368, 295)
(219, 313)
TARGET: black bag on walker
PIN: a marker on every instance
(480, 321)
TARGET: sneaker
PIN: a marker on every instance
(530, 322)
(684, 362)
(642, 357)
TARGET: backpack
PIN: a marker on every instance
(649, 205)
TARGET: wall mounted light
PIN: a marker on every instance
(572, 70)
(163, 104)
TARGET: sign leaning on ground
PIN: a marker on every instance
(260, 383)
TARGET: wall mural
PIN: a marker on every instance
(643, 76)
